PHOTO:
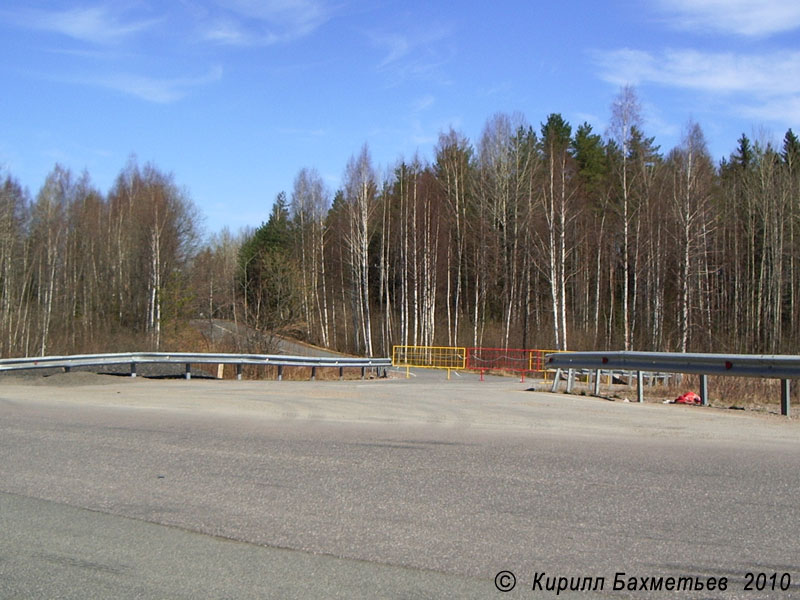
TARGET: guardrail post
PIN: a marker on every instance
(555, 380)
(188, 374)
(597, 382)
(341, 373)
(639, 387)
(313, 373)
(570, 380)
(785, 389)
(133, 369)
(239, 371)
(704, 390)
(363, 372)
(280, 372)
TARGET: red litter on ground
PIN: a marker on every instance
(688, 398)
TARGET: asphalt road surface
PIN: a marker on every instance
(421, 488)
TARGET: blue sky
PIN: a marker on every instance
(234, 97)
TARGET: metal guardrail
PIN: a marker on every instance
(783, 367)
(189, 358)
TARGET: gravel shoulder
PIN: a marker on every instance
(495, 404)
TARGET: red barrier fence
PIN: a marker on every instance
(515, 360)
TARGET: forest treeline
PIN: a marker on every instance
(546, 237)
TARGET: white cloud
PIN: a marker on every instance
(658, 123)
(769, 74)
(404, 45)
(264, 22)
(766, 85)
(152, 89)
(741, 17)
(785, 109)
(302, 133)
(423, 103)
(97, 25)
(417, 54)
(227, 31)
(503, 88)
(397, 46)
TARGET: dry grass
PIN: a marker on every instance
(744, 393)
(749, 393)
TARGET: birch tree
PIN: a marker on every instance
(454, 172)
(691, 173)
(625, 118)
(360, 189)
(310, 203)
(48, 230)
(14, 260)
(556, 198)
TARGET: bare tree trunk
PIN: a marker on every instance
(597, 277)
